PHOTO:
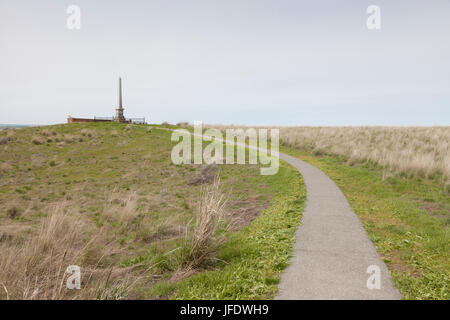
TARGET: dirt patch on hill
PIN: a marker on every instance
(245, 211)
(435, 210)
(206, 175)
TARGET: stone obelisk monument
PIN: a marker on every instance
(119, 111)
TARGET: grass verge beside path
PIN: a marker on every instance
(252, 260)
(407, 219)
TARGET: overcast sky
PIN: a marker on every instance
(225, 61)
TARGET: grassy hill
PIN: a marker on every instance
(107, 198)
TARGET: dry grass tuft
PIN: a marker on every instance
(69, 138)
(87, 133)
(37, 140)
(126, 214)
(210, 218)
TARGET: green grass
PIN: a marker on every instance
(407, 218)
(252, 260)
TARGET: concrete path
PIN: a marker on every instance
(332, 251)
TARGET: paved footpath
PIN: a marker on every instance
(332, 250)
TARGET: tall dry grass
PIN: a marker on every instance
(35, 268)
(422, 151)
(33, 265)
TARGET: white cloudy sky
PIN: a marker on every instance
(227, 61)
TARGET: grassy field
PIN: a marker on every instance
(409, 151)
(407, 218)
(106, 197)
